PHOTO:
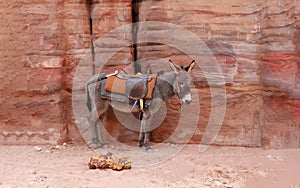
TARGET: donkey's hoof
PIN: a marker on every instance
(149, 150)
(97, 145)
(141, 144)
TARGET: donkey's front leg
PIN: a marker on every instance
(146, 128)
(144, 138)
(141, 136)
(147, 141)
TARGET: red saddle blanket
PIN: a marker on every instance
(115, 84)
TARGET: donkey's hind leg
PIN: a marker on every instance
(95, 131)
(96, 126)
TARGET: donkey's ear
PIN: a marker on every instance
(174, 67)
(190, 67)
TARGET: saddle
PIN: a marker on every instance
(135, 87)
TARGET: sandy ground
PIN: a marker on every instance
(66, 166)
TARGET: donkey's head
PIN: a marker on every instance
(183, 80)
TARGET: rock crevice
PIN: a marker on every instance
(256, 44)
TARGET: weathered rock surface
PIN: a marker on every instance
(255, 44)
(40, 45)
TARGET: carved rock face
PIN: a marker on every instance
(255, 44)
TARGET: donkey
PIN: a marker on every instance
(176, 81)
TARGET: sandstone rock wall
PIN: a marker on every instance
(18, 110)
(256, 46)
(255, 43)
(41, 42)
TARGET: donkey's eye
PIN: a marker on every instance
(181, 84)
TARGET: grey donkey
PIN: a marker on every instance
(176, 81)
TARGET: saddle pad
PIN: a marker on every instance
(112, 96)
(117, 85)
(119, 97)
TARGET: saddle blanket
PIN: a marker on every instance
(117, 85)
(120, 98)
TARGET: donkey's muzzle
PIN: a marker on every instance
(187, 99)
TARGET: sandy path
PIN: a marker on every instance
(66, 166)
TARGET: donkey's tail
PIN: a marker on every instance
(87, 90)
